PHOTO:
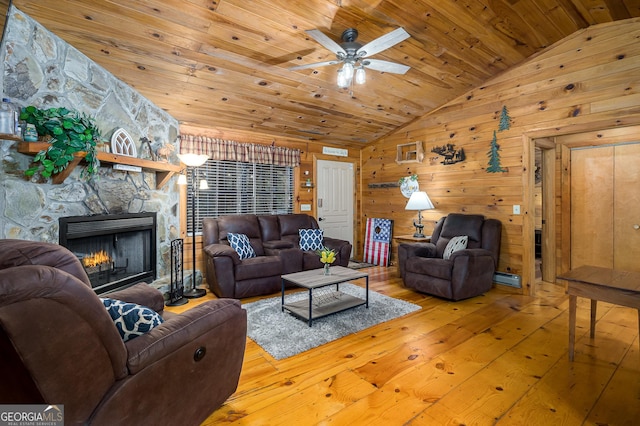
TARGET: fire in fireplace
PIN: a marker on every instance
(97, 260)
(115, 250)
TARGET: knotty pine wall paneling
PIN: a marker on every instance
(587, 82)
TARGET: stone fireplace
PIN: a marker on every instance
(115, 250)
(43, 70)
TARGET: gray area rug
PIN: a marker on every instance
(283, 335)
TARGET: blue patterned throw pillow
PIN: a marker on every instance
(311, 239)
(240, 243)
(130, 319)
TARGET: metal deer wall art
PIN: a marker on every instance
(450, 153)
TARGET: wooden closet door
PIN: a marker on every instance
(605, 207)
(592, 189)
(626, 214)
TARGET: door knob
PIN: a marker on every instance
(636, 226)
(320, 219)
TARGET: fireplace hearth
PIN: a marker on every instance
(115, 250)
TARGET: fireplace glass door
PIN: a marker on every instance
(115, 250)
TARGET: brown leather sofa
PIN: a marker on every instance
(58, 345)
(468, 272)
(275, 240)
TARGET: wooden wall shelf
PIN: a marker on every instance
(409, 153)
(164, 171)
(8, 137)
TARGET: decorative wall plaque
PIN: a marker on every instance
(409, 185)
(122, 143)
(450, 153)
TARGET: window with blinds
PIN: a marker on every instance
(240, 188)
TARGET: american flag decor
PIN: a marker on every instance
(377, 241)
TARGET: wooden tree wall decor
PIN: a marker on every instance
(494, 154)
(494, 157)
(450, 153)
(505, 120)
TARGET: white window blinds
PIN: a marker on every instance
(240, 188)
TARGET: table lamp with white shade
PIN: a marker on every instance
(419, 201)
(192, 161)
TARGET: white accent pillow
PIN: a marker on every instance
(455, 244)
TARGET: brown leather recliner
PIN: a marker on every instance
(468, 272)
(58, 345)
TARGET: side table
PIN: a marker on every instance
(411, 239)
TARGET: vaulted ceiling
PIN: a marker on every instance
(225, 63)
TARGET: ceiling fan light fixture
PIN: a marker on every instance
(342, 79)
(347, 70)
(352, 55)
(361, 76)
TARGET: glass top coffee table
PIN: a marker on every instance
(328, 301)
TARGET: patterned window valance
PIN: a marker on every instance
(220, 149)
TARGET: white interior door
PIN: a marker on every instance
(335, 188)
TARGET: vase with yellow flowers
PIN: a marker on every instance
(327, 257)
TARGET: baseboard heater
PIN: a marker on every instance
(504, 278)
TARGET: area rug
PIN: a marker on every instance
(283, 335)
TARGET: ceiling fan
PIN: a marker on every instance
(354, 56)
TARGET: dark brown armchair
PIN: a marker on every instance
(58, 345)
(467, 272)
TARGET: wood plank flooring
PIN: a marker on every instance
(497, 359)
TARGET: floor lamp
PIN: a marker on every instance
(192, 161)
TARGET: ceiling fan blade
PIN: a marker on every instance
(385, 66)
(383, 42)
(324, 40)
(316, 65)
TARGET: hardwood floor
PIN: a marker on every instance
(498, 359)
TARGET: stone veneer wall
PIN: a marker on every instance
(41, 69)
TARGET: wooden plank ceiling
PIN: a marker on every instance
(224, 63)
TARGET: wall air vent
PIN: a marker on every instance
(504, 278)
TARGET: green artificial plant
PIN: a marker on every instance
(70, 132)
